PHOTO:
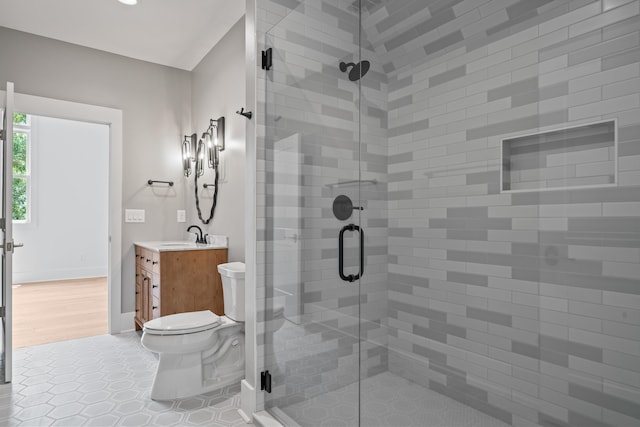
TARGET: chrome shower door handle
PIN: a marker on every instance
(350, 277)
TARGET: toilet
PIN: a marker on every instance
(200, 351)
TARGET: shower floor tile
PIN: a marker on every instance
(102, 381)
(387, 400)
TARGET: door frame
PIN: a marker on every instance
(111, 117)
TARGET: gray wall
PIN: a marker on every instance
(156, 105)
(218, 89)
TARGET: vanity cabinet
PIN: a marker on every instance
(177, 281)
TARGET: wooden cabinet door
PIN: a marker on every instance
(138, 301)
(146, 293)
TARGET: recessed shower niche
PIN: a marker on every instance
(581, 156)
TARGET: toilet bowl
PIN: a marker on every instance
(199, 351)
(276, 319)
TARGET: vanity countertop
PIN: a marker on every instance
(217, 242)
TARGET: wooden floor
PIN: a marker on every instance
(45, 312)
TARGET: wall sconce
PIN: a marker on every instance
(188, 153)
(210, 144)
(214, 140)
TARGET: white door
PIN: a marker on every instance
(7, 232)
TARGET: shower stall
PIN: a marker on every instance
(449, 212)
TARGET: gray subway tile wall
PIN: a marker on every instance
(522, 305)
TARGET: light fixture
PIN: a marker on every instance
(129, 2)
(214, 141)
(200, 158)
(218, 137)
(188, 153)
(194, 150)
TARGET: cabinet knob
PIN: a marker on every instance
(154, 286)
(154, 307)
(148, 260)
(154, 262)
(137, 292)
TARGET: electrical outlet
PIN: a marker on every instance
(182, 215)
(134, 215)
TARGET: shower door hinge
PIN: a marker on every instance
(267, 59)
(3, 311)
(265, 381)
(3, 224)
(2, 134)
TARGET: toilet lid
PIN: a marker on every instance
(182, 323)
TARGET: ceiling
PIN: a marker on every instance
(176, 33)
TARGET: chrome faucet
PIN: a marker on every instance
(199, 237)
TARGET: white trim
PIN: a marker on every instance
(249, 384)
(248, 400)
(113, 118)
(572, 187)
(7, 207)
(59, 274)
(127, 319)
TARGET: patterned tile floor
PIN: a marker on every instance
(387, 400)
(102, 381)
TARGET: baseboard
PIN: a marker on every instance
(62, 274)
(126, 322)
(247, 401)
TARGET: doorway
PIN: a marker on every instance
(93, 114)
(60, 213)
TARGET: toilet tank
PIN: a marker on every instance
(232, 274)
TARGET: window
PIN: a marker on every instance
(21, 167)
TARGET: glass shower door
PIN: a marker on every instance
(312, 232)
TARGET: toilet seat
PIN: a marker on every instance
(182, 323)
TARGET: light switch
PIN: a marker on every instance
(134, 215)
(182, 215)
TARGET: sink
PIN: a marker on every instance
(217, 242)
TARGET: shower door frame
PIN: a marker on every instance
(353, 231)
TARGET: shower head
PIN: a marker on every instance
(357, 71)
